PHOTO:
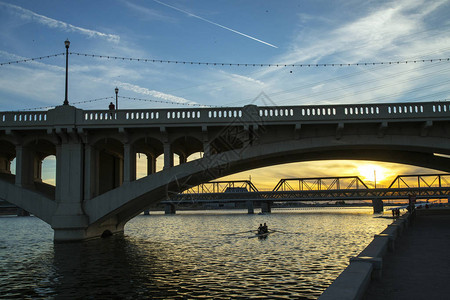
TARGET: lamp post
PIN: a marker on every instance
(117, 91)
(67, 44)
(375, 177)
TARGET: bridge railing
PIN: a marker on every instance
(246, 114)
(35, 117)
(320, 184)
(223, 187)
(421, 181)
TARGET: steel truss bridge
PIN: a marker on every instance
(348, 188)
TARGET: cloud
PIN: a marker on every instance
(216, 24)
(56, 24)
(373, 35)
(245, 79)
(153, 93)
(399, 30)
(148, 14)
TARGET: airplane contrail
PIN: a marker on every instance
(214, 23)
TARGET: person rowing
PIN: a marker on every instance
(263, 229)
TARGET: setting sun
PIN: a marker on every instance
(371, 172)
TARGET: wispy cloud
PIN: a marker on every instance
(146, 13)
(216, 24)
(373, 35)
(52, 23)
(246, 79)
(156, 94)
(395, 30)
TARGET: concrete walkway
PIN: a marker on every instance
(419, 268)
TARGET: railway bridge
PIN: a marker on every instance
(96, 190)
(314, 189)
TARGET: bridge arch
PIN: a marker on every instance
(152, 148)
(106, 157)
(232, 139)
(410, 151)
(185, 146)
(40, 149)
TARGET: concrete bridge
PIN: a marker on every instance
(96, 190)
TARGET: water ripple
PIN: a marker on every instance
(185, 256)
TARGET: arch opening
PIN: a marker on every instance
(48, 170)
(147, 151)
(33, 156)
(108, 156)
(7, 157)
(183, 147)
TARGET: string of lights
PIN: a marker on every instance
(166, 102)
(77, 102)
(262, 64)
(30, 59)
(93, 100)
(231, 64)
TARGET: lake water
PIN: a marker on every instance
(190, 255)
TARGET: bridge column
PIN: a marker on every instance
(69, 221)
(24, 166)
(266, 207)
(250, 207)
(151, 168)
(170, 209)
(183, 158)
(168, 155)
(206, 148)
(151, 164)
(377, 206)
(37, 167)
(91, 172)
(129, 163)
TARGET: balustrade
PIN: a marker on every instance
(310, 113)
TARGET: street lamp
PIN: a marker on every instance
(67, 44)
(117, 91)
(375, 177)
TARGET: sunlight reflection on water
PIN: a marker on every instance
(188, 255)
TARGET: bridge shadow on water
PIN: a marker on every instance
(116, 268)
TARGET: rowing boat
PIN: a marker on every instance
(261, 235)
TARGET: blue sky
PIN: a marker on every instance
(228, 31)
(271, 32)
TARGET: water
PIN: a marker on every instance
(187, 256)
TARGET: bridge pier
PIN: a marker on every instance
(250, 207)
(22, 212)
(170, 209)
(76, 229)
(266, 207)
(24, 167)
(377, 206)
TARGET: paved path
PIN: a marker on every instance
(419, 268)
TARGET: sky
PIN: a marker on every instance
(288, 32)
